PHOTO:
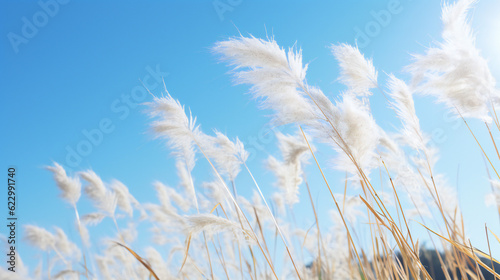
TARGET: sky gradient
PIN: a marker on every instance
(72, 76)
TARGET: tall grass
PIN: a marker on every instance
(209, 231)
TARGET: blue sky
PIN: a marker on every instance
(80, 71)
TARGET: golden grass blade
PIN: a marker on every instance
(334, 200)
(475, 262)
(489, 248)
(481, 147)
(188, 241)
(492, 139)
(399, 203)
(213, 209)
(465, 250)
(238, 208)
(377, 214)
(496, 237)
(140, 259)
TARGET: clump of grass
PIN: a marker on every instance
(209, 231)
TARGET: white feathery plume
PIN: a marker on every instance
(288, 179)
(493, 198)
(102, 198)
(260, 207)
(186, 180)
(495, 184)
(454, 71)
(165, 216)
(177, 247)
(39, 237)
(167, 195)
(44, 240)
(67, 274)
(84, 234)
(256, 206)
(163, 223)
(93, 219)
(337, 252)
(412, 135)
(105, 264)
(130, 233)
(294, 151)
(158, 236)
(329, 110)
(227, 155)
(417, 212)
(229, 252)
(64, 245)
(252, 52)
(404, 174)
(293, 148)
(359, 132)
(157, 262)
(277, 77)
(124, 199)
(279, 203)
(432, 157)
(404, 106)
(119, 263)
(386, 198)
(175, 126)
(354, 135)
(349, 127)
(388, 144)
(308, 243)
(162, 214)
(70, 187)
(357, 72)
(215, 193)
(211, 224)
(278, 81)
(357, 129)
(180, 131)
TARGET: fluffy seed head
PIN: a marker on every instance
(356, 72)
(211, 224)
(70, 187)
(353, 133)
(102, 198)
(227, 155)
(454, 71)
(39, 237)
(404, 106)
(289, 171)
(124, 199)
(277, 77)
(173, 124)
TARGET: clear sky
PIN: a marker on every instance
(74, 68)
